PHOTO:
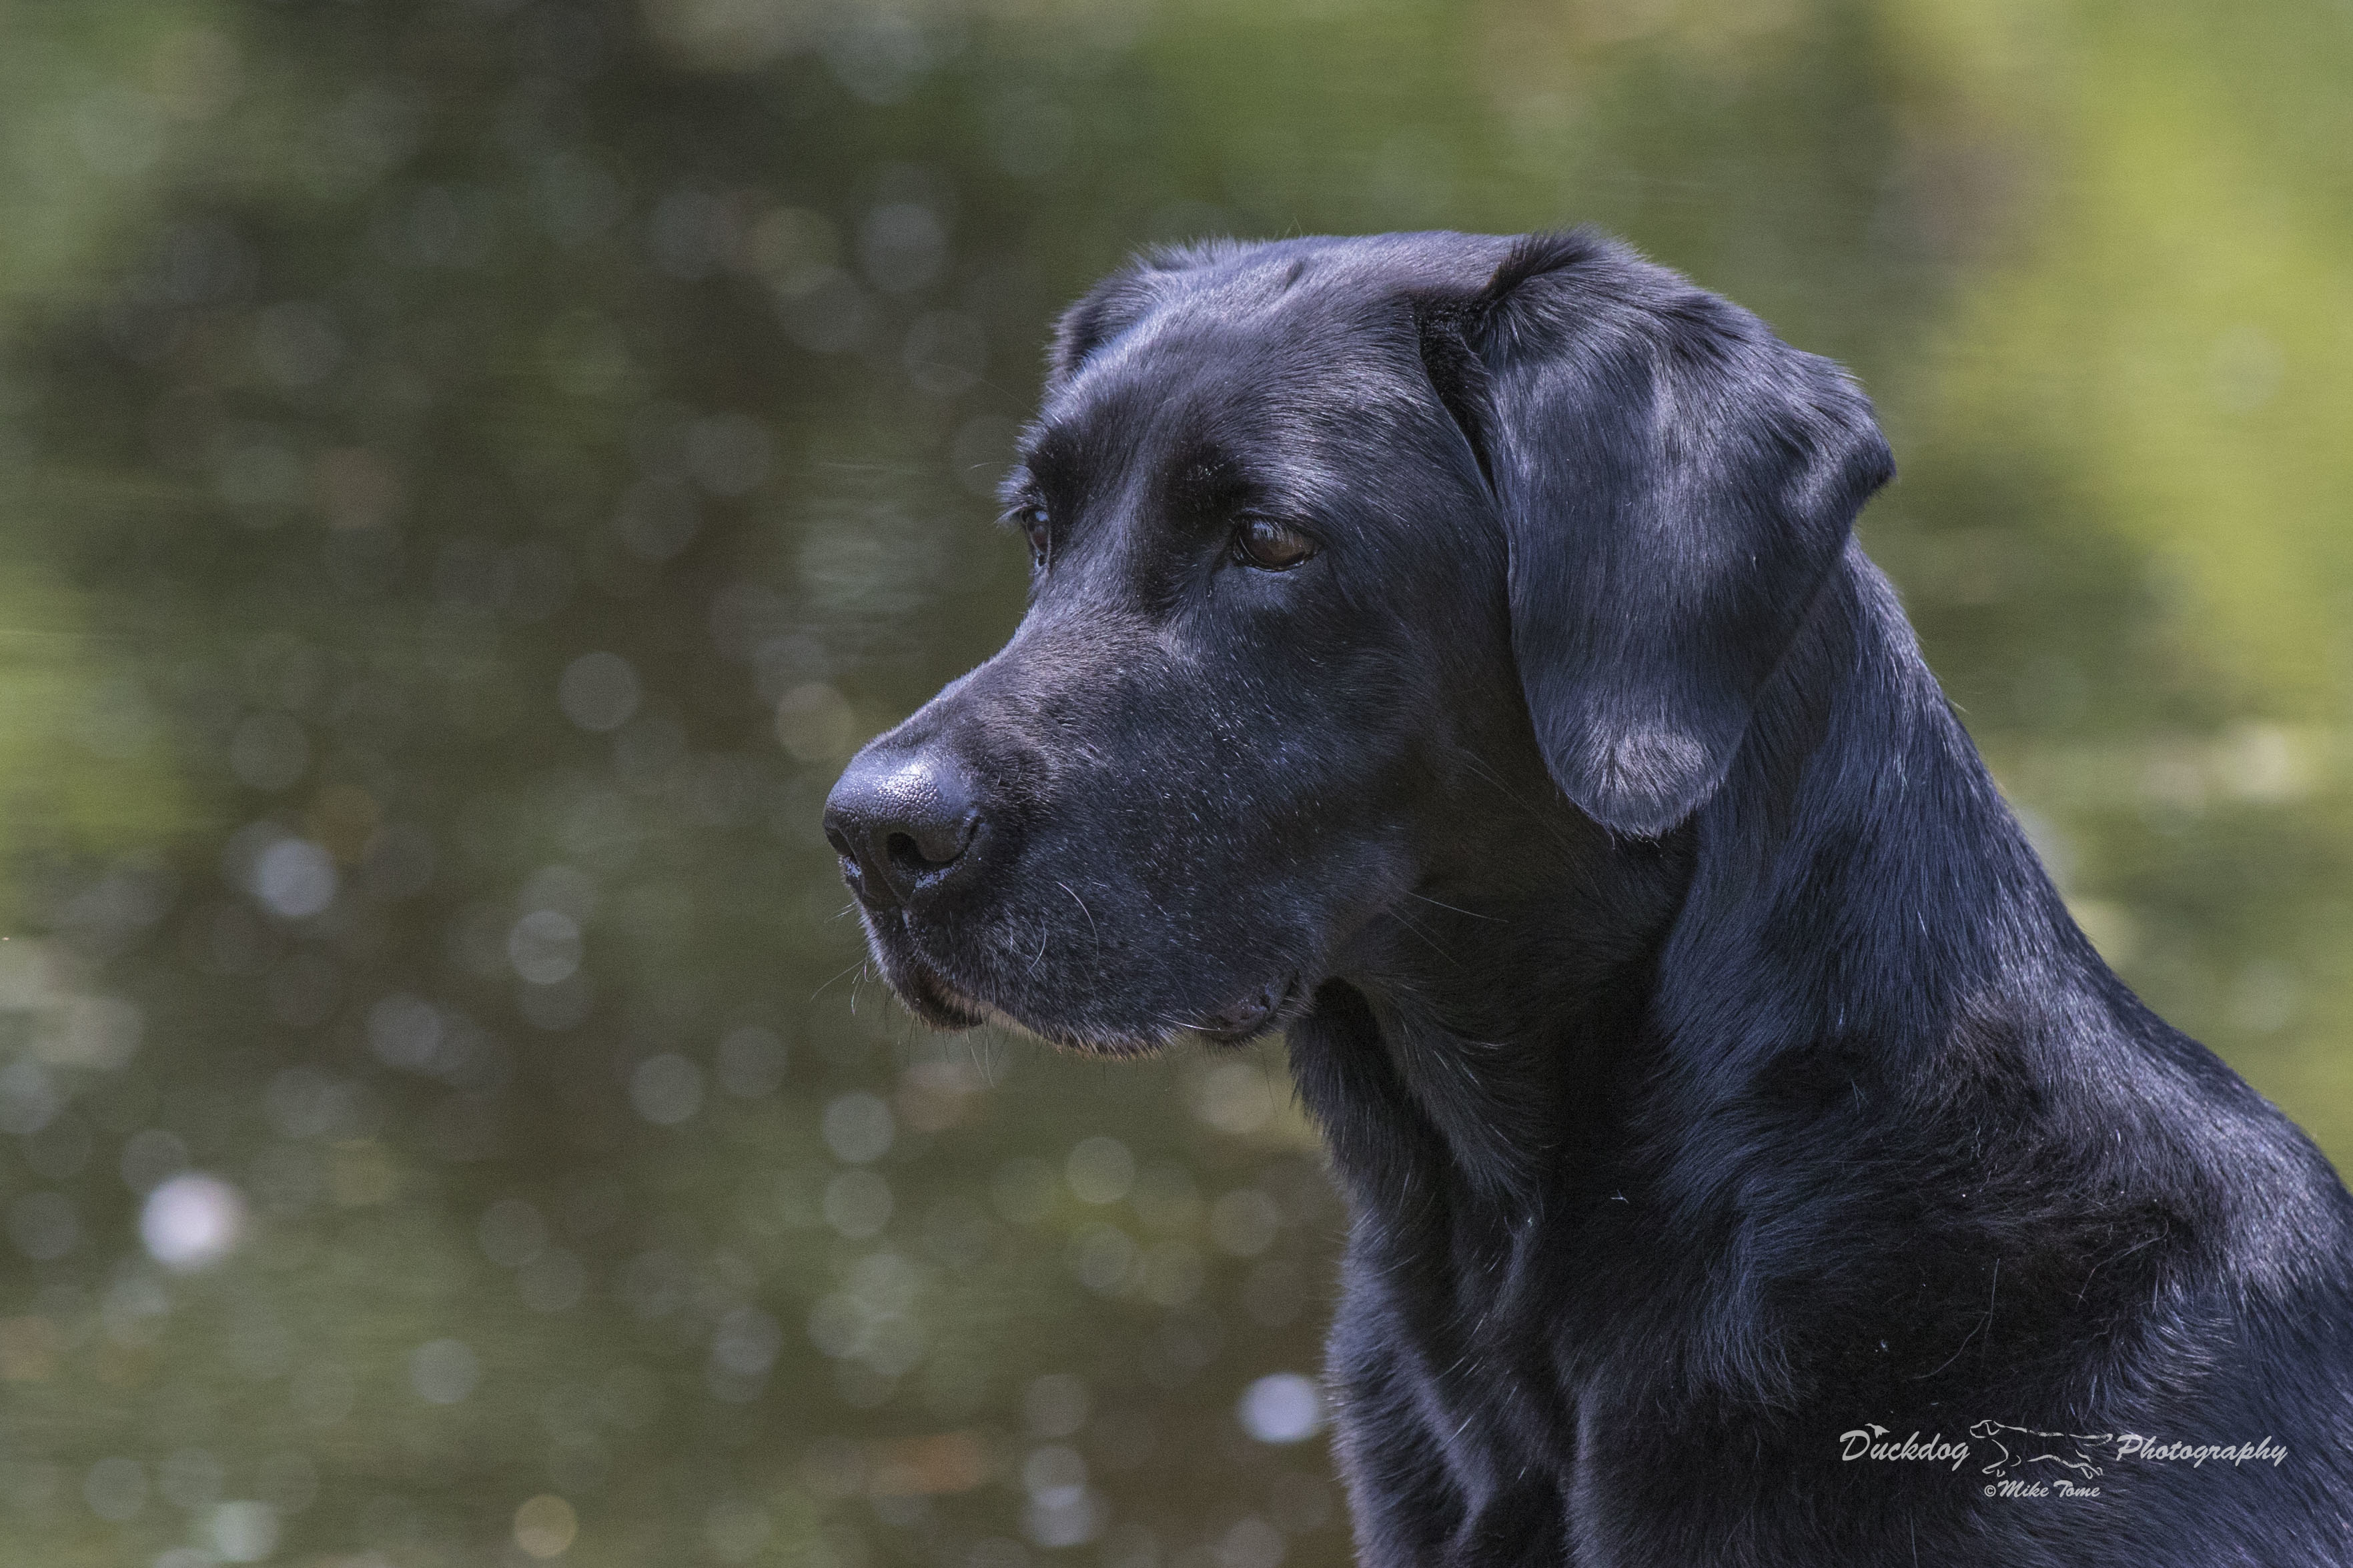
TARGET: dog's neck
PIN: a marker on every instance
(1858, 885)
(1855, 886)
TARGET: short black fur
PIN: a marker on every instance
(1713, 1072)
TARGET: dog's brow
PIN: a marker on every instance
(1016, 489)
(1049, 453)
(1202, 478)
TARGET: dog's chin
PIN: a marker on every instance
(1263, 1012)
(944, 1006)
(941, 1005)
(932, 999)
(944, 1003)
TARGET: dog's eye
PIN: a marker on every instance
(1270, 546)
(1034, 523)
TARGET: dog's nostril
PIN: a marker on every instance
(903, 853)
(930, 847)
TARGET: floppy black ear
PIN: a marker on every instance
(1119, 302)
(1675, 483)
(1100, 314)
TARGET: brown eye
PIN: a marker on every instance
(1036, 527)
(1270, 546)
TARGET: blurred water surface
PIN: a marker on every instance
(472, 470)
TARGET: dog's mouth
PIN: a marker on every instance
(932, 999)
(1262, 1011)
(945, 997)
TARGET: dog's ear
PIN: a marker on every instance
(1121, 300)
(1108, 309)
(1674, 483)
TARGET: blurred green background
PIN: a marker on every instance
(472, 470)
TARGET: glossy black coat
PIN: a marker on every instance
(1711, 1070)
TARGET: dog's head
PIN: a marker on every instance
(1353, 558)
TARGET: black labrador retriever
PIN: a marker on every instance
(1451, 651)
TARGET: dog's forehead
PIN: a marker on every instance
(1237, 365)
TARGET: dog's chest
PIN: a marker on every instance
(1451, 1343)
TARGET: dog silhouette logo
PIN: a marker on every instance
(2018, 1445)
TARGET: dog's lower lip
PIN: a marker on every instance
(933, 995)
(1252, 1013)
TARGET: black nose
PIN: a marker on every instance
(900, 821)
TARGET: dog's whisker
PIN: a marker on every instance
(1471, 914)
(862, 963)
(1410, 924)
(1483, 769)
(1091, 919)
